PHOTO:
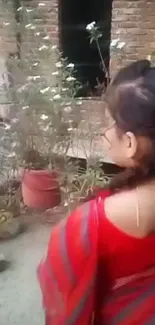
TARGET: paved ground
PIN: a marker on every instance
(20, 298)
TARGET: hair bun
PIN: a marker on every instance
(142, 67)
(137, 69)
(132, 72)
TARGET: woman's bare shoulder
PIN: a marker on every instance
(131, 211)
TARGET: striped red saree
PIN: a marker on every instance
(67, 275)
(68, 279)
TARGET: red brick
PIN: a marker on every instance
(133, 22)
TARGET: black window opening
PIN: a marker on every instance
(75, 43)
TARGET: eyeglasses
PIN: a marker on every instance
(103, 134)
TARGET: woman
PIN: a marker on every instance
(100, 265)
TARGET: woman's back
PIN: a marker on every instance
(127, 241)
(127, 258)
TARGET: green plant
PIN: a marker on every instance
(43, 91)
(86, 181)
(115, 45)
(9, 200)
(43, 98)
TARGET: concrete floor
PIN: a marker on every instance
(20, 297)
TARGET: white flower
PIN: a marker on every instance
(79, 102)
(65, 204)
(45, 90)
(29, 10)
(67, 109)
(14, 120)
(43, 47)
(45, 128)
(59, 64)
(30, 78)
(121, 45)
(6, 23)
(70, 129)
(20, 8)
(91, 26)
(41, 4)
(114, 42)
(53, 90)
(44, 117)
(35, 64)
(70, 65)
(46, 37)
(70, 78)
(64, 89)
(7, 127)
(54, 47)
(30, 26)
(25, 107)
(14, 144)
(55, 73)
(37, 34)
(57, 96)
(11, 155)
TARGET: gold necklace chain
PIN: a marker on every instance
(137, 207)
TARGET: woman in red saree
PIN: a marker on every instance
(100, 263)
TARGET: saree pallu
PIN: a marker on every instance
(67, 275)
(68, 278)
(132, 301)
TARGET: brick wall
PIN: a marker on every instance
(45, 17)
(7, 28)
(133, 22)
(7, 46)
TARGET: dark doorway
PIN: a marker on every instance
(74, 39)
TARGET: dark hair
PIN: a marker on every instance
(131, 102)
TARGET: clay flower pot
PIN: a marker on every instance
(40, 189)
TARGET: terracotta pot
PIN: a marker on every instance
(40, 189)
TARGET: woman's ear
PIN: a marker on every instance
(131, 144)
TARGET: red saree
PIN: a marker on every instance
(68, 279)
(67, 276)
